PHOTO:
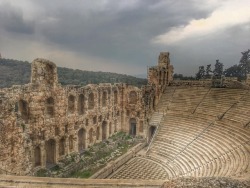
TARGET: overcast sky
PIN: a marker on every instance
(125, 36)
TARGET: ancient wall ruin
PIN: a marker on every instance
(41, 122)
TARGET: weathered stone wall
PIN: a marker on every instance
(160, 76)
(41, 122)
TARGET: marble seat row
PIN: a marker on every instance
(191, 148)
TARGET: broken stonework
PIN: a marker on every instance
(41, 122)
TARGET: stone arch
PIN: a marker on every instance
(132, 126)
(154, 103)
(62, 146)
(23, 109)
(132, 97)
(91, 135)
(1, 105)
(50, 152)
(98, 133)
(110, 128)
(71, 104)
(141, 127)
(160, 79)
(50, 107)
(115, 97)
(81, 104)
(164, 78)
(37, 156)
(81, 140)
(104, 98)
(104, 130)
(151, 132)
(71, 143)
(91, 101)
(115, 126)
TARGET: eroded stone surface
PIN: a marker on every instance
(41, 122)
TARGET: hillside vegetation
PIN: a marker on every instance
(14, 72)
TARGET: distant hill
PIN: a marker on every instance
(14, 72)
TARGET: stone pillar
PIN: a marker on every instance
(66, 145)
(43, 155)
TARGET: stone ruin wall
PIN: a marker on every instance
(49, 114)
(41, 122)
(160, 76)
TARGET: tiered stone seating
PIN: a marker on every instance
(187, 99)
(240, 112)
(156, 118)
(203, 133)
(140, 168)
(195, 149)
(219, 100)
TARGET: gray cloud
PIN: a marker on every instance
(112, 30)
(11, 19)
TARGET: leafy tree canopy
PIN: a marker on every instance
(14, 72)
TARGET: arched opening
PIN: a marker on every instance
(71, 104)
(81, 104)
(164, 78)
(115, 97)
(50, 107)
(50, 152)
(81, 140)
(132, 128)
(94, 120)
(71, 143)
(115, 126)
(141, 127)
(104, 99)
(132, 97)
(160, 78)
(23, 109)
(1, 105)
(110, 128)
(104, 130)
(154, 103)
(62, 146)
(98, 133)
(91, 135)
(37, 156)
(91, 102)
(152, 130)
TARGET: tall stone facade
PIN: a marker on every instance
(41, 122)
(160, 76)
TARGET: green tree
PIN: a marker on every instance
(245, 62)
(208, 71)
(218, 69)
(201, 73)
(234, 71)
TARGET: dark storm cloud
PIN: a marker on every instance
(119, 33)
(112, 32)
(11, 19)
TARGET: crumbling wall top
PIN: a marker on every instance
(163, 59)
(43, 72)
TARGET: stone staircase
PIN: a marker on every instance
(156, 119)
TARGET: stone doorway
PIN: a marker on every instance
(132, 128)
(50, 153)
(37, 156)
(104, 130)
(81, 140)
(152, 130)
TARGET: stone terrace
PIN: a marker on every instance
(204, 133)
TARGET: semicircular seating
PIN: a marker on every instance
(204, 132)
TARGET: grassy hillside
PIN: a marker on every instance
(14, 72)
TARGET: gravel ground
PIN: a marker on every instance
(207, 182)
